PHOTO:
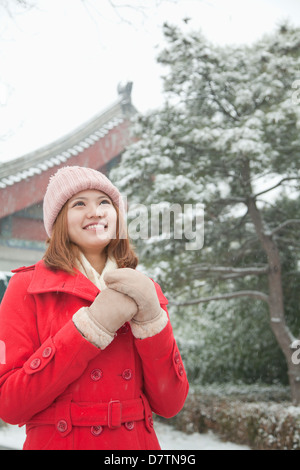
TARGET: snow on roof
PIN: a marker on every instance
(37, 162)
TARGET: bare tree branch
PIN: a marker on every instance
(14, 7)
(239, 272)
(117, 6)
(284, 224)
(275, 186)
(139, 7)
(232, 295)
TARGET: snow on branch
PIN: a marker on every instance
(232, 295)
(239, 272)
(224, 105)
(276, 185)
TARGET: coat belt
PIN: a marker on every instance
(111, 414)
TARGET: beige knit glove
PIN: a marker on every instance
(150, 316)
(109, 311)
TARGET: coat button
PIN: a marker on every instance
(127, 374)
(176, 357)
(96, 430)
(96, 374)
(129, 425)
(180, 369)
(47, 352)
(150, 421)
(35, 363)
(62, 425)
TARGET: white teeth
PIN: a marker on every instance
(95, 226)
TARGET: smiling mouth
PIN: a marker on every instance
(99, 226)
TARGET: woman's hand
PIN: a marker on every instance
(99, 322)
(140, 288)
(111, 309)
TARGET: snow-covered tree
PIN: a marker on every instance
(228, 137)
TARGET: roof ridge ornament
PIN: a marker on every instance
(124, 90)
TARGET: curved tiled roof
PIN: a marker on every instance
(95, 143)
(72, 144)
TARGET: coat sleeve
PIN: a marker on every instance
(165, 381)
(33, 375)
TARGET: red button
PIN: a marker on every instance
(127, 374)
(150, 421)
(35, 363)
(96, 374)
(96, 430)
(176, 357)
(129, 425)
(47, 352)
(180, 369)
(62, 425)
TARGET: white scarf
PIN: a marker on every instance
(87, 269)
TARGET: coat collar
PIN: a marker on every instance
(46, 280)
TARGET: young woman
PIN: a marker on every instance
(90, 351)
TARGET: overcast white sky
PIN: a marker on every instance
(61, 60)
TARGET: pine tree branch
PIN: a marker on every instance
(284, 224)
(239, 272)
(230, 201)
(234, 116)
(288, 241)
(233, 295)
(275, 186)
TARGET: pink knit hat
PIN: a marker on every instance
(69, 181)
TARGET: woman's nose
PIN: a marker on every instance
(100, 211)
(93, 211)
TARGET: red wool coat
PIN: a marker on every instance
(69, 393)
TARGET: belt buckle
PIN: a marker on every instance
(114, 413)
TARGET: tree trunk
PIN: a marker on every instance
(281, 331)
(277, 319)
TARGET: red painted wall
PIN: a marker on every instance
(28, 229)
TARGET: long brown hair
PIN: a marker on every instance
(62, 254)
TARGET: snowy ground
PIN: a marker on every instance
(13, 437)
(170, 439)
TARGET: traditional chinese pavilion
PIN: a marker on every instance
(97, 144)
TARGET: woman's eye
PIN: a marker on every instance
(78, 203)
(105, 201)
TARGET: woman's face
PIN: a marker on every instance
(92, 220)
